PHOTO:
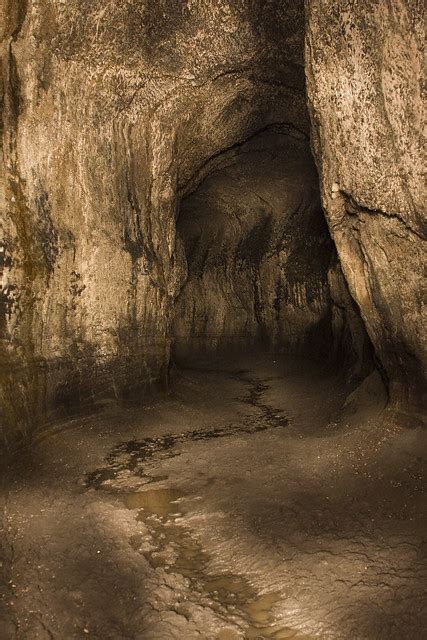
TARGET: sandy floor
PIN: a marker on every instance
(244, 505)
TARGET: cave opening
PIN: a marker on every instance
(259, 259)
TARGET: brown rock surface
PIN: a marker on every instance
(108, 113)
(160, 204)
(111, 114)
(258, 252)
(363, 69)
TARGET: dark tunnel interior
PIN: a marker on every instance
(262, 273)
(258, 252)
(212, 339)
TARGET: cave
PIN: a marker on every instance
(257, 249)
(211, 314)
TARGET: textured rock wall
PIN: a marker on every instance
(258, 252)
(364, 71)
(110, 112)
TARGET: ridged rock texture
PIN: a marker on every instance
(113, 113)
(108, 114)
(364, 74)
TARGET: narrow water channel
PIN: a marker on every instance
(172, 546)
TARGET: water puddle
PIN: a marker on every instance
(130, 472)
(157, 501)
(177, 551)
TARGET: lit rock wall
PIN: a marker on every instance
(110, 112)
(364, 73)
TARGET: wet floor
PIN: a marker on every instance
(130, 456)
(176, 550)
(244, 506)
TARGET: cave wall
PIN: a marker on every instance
(258, 253)
(364, 74)
(109, 114)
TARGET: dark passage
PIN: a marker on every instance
(258, 252)
(212, 353)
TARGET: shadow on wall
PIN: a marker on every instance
(259, 254)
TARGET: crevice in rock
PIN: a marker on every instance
(353, 208)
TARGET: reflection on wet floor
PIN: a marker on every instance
(157, 501)
(174, 549)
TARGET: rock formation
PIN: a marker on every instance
(364, 81)
(118, 118)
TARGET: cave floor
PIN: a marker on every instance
(242, 505)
